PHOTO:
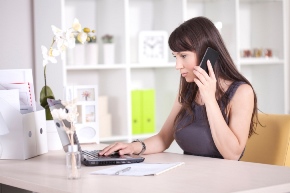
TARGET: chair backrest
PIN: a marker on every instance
(271, 143)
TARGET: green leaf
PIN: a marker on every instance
(48, 114)
(46, 93)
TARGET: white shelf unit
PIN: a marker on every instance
(262, 25)
(245, 24)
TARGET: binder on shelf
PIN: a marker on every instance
(143, 111)
(136, 97)
(148, 111)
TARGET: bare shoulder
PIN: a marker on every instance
(245, 90)
(244, 93)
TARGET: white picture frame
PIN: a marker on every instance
(153, 47)
(87, 105)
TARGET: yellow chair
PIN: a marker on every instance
(271, 143)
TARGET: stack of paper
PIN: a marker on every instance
(139, 169)
(18, 83)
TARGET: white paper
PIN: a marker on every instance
(18, 76)
(11, 97)
(26, 97)
(139, 169)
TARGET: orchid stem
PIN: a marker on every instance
(45, 91)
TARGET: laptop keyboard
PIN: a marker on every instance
(93, 154)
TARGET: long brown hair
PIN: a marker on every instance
(196, 35)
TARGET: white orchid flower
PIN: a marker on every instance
(64, 39)
(82, 37)
(70, 38)
(56, 31)
(76, 25)
(59, 114)
(48, 56)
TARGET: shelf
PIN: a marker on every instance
(153, 65)
(97, 67)
(260, 61)
(114, 138)
(125, 138)
(259, 1)
(119, 66)
(143, 136)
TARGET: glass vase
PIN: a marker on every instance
(73, 162)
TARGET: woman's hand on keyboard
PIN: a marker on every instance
(121, 148)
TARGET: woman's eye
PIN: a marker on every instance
(183, 56)
(174, 56)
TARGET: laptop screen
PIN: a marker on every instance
(56, 104)
(89, 158)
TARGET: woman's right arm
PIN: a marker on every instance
(155, 144)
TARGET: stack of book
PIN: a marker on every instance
(105, 122)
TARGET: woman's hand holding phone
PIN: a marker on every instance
(205, 82)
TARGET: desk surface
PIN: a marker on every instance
(47, 173)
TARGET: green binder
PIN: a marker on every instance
(136, 97)
(148, 111)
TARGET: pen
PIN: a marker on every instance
(123, 170)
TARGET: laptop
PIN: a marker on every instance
(89, 157)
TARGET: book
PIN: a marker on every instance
(139, 169)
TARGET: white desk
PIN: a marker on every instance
(47, 174)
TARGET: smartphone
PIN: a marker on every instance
(211, 55)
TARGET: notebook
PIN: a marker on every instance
(89, 157)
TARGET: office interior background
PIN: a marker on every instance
(246, 25)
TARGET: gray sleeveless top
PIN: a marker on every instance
(195, 138)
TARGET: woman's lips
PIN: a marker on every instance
(183, 74)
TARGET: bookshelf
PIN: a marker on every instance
(246, 24)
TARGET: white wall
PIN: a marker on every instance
(17, 39)
(16, 43)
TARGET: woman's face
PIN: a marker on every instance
(185, 61)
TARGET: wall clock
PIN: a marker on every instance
(153, 46)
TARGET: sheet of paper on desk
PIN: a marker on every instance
(139, 169)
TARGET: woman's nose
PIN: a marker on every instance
(178, 65)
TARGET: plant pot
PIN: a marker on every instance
(91, 53)
(109, 53)
(79, 54)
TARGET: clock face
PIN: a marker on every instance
(153, 46)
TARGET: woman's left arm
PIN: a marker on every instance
(230, 139)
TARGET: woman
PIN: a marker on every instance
(214, 113)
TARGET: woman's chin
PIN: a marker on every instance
(189, 80)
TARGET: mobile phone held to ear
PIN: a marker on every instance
(211, 55)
